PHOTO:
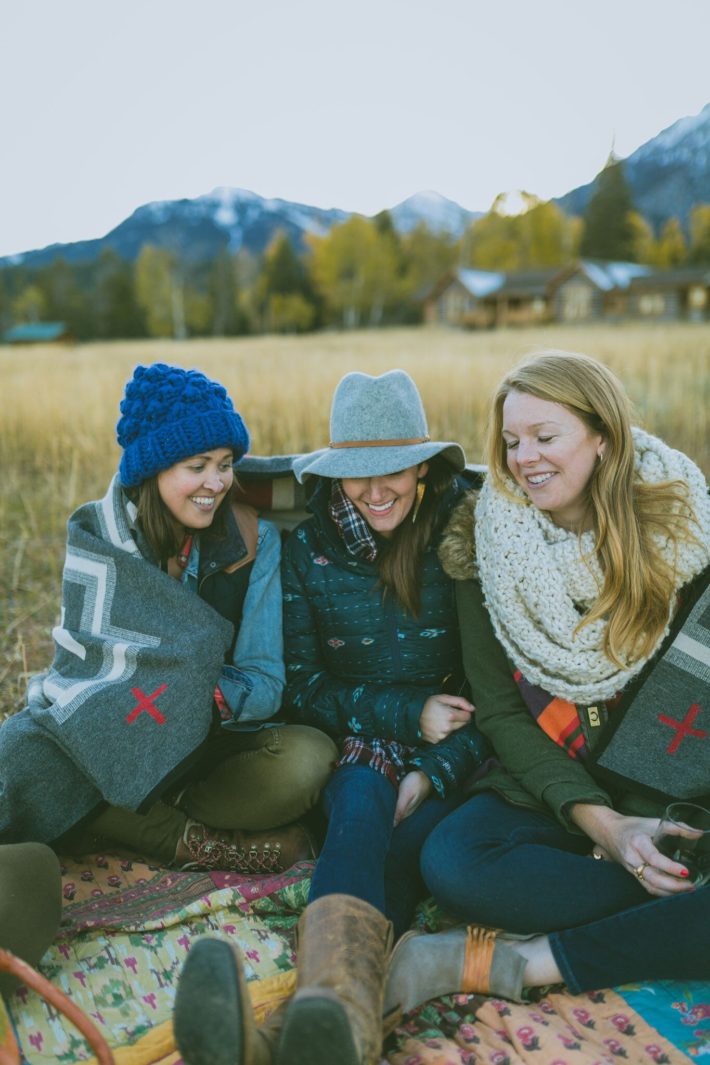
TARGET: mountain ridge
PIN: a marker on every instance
(673, 167)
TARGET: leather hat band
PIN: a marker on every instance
(381, 443)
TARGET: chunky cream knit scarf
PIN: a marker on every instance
(538, 580)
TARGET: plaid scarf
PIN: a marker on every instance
(354, 530)
(557, 717)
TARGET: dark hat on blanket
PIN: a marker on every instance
(168, 414)
(377, 426)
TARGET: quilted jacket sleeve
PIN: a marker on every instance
(449, 762)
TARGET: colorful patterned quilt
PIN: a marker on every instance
(128, 926)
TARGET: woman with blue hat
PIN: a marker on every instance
(152, 728)
(373, 659)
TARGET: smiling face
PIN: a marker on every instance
(193, 489)
(384, 502)
(551, 453)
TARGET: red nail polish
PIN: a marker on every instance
(684, 872)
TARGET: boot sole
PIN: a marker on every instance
(317, 1032)
(207, 1020)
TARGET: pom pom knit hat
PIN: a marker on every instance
(168, 414)
(377, 426)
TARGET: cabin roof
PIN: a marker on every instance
(35, 331)
(669, 279)
(527, 283)
(480, 282)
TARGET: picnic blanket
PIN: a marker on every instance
(128, 925)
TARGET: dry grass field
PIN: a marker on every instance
(58, 409)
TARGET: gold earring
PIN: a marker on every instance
(421, 489)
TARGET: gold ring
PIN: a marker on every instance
(639, 870)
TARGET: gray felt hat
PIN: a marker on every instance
(377, 426)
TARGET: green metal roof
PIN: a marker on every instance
(34, 331)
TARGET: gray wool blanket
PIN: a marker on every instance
(128, 697)
(659, 734)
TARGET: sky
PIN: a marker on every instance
(108, 105)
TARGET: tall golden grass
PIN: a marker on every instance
(58, 410)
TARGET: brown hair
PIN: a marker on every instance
(157, 523)
(399, 562)
(638, 587)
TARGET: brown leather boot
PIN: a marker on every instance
(240, 851)
(213, 1019)
(336, 1014)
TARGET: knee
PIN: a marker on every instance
(441, 867)
(30, 901)
(357, 793)
(307, 756)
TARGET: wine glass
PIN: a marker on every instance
(684, 836)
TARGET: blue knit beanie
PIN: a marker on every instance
(169, 414)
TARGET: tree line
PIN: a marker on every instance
(361, 273)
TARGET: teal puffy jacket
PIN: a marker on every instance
(358, 665)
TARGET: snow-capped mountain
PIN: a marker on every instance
(668, 175)
(199, 229)
(237, 218)
(435, 211)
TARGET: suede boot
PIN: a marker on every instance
(469, 960)
(213, 1019)
(335, 1015)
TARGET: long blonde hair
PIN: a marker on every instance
(639, 586)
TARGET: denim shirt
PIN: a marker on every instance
(252, 683)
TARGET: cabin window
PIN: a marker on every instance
(652, 304)
(697, 297)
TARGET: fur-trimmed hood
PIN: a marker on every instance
(457, 547)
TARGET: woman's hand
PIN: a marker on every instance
(413, 790)
(442, 715)
(629, 841)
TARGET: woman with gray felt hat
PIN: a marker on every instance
(372, 658)
(377, 425)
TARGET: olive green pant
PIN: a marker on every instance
(245, 780)
(30, 902)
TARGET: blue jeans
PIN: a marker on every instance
(363, 855)
(496, 864)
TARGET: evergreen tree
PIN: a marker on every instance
(700, 234)
(116, 309)
(608, 234)
(5, 314)
(284, 294)
(224, 290)
(67, 299)
(283, 272)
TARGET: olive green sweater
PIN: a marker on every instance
(530, 770)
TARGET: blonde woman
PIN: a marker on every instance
(587, 558)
